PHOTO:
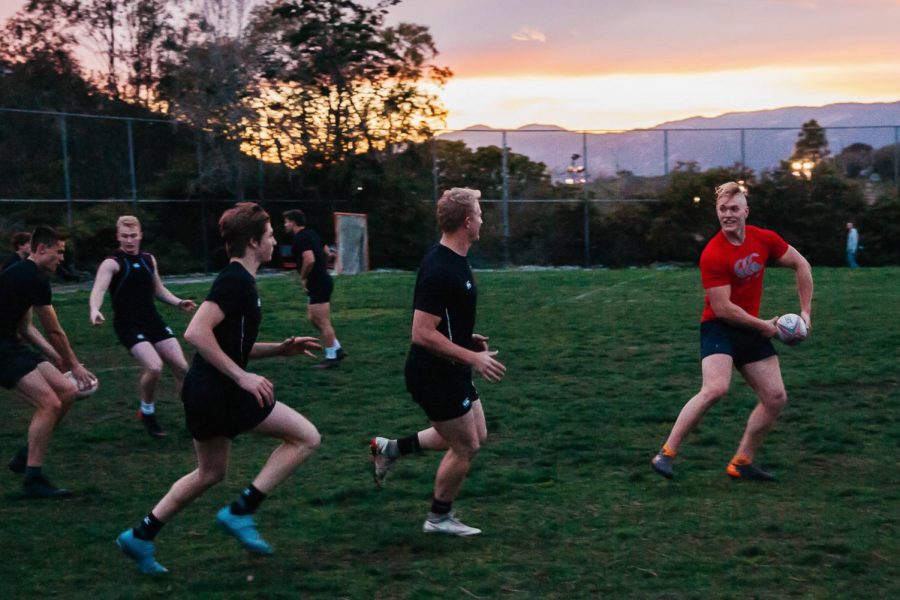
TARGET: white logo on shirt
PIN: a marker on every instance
(259, 302)
(468, 285)
(746, 267)
(136, 265)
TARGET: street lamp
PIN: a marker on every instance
(802, 168)
(573, 170)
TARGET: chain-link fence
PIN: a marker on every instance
(83, 170)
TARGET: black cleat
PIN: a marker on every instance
(662, 464)
(39, 487)
(328, 363)
(152, 425)
(19, 460)
(341, 355)
(749, 471)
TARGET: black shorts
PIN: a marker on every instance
(319, 291)
(744, 346)
(215, 406)
(442, 396)
(16, 361)
(132, 333)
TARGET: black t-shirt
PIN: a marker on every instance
(445, 287)
(11, 261)
(133, 289)
(22, 286)
(304, 240)
(234, 290)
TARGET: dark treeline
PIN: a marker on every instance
(319, 104)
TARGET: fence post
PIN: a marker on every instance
(434, 169)
(897, 159)
(743, 152)
(587, 210)
(131, 171)
(67, 182)
(505, 173)
(260, 174)
(665, 151)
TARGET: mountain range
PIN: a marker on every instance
(759, 139)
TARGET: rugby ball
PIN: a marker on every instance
(791, 329)
(83, 392)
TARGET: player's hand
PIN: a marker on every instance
(187, 305)
(97, 317)
(770, 330)
(261, 388)
(295, 345)
(490, 369)
(481, 341)
(806, 317)
(84, 377)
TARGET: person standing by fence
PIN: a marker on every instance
(852, 245)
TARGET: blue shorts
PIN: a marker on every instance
(744, 346)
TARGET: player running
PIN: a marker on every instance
(444, 352)
(732, 267)
(24, 288)
(309, 254)
(222, 399)
(133, 277)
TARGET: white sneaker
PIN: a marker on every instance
(449, 525)
(380, 459)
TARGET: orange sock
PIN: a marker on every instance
(668, 451)
(740, 459)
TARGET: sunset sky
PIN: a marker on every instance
(618, 64)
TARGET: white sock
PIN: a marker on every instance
(331, 352)
(147, 409)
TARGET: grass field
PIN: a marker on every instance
(599, 364)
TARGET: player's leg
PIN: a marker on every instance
(461, 435)
(299, 439)
(212, 465)
(716, 372)
(170, 352)
(52, 395)
(320, 317)
(151, 368)
(764, 376)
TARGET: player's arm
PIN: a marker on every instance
(309, 259)
(792, 259)
(291, 346)
(60, 342)
(721, 304)
(200, 335)
(30, 334)
(425, 334)
(105, 272)
(163, 294)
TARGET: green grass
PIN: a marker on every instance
(600, 363)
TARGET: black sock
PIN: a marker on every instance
(409, 444)
(439, 507)
(248, 501)
(32, 472)
(148, 528)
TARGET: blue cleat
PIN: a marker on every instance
(243, 529)
(140, 551)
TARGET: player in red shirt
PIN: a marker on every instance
(732, 267)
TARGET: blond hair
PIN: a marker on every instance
(727, 191)
(454, 206)
(127, 221)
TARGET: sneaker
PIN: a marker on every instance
(140, 551)
(749, 471)
(328, 363)
(19, 460)
(341, 355)
(151, 424)
(381, 460)
(450, 525)
(243, 529)
(40, 487)
(662, 464)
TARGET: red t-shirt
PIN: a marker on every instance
(742, 267)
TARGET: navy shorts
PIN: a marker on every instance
(130, 334)
(319, 292)
(443, 397)
(744, 346)
(215, 406)
(16, 361)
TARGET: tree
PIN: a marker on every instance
(811, 143)
(855, 160)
